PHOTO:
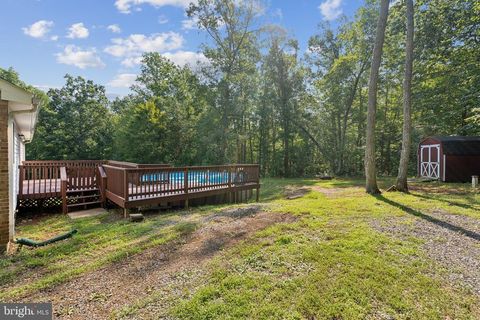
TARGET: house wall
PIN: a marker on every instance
(4, 177)
(14, 160)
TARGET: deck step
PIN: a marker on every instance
(83, 190)
(95, 195)
(83, 204)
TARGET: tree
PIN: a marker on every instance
(286, 85)
(339, 60)
(370, 167)
(160, 123)
(447, 72)
(402, 184)
(76, 124)
(233, 59)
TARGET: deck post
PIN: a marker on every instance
(185, 186)
(21, 175)
(101, 183)
(229, 184)
(63, 186)
(125, 191)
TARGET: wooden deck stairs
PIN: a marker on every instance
(81, 188)
(83, 199)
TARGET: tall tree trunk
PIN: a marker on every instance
(286, 149)
(346, 115)
(225, 124)
(370, 174)
(402, 184)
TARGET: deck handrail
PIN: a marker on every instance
(66, 163)
(126, 164)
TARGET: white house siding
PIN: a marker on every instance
(14, 160)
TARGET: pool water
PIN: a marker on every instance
(202, 177)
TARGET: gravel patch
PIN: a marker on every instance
(451, 240)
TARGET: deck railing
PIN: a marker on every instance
(42, 178)
(125, 183)
(39, 180)
(132, 184)
(115, 180)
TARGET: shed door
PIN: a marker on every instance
(430, 161)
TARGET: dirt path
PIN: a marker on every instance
(295, 192)
(451, 240)
(163, 272)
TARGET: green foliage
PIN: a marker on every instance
(160, 124)
(447, 69)
(233, 54)
(75, 124)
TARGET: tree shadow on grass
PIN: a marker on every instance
(349, 182)
(451, 203)
(438, 222)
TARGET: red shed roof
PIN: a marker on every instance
(458, 145)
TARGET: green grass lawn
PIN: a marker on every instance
(328, 264)
(332, 265)
(100, 241)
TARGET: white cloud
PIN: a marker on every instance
(330, 9)
(183, 58)
(45, 87)
(162, 19)
(38, 29)
(190, 24)
(54, 38)
(75, 56)
(123, 80)
(115, 28)
(125, 6)
(77, 30)
(278, 13)
(131, 61)
(179, 57)
(132, 47)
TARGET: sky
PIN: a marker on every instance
(103, 40)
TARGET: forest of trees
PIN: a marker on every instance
(261, 99)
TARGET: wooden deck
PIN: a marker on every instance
(131, 185)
